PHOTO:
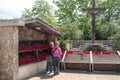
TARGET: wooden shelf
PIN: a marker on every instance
(33, 50)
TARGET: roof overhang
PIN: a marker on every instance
(40, 25)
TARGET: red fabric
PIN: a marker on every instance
(40, 45)
(105, 52)
(34, 46)
(69, 52)
(87, 52)
(42, 56)
(96, 52)
(26, 59)
(25, 47)
(82, 55)
(62, 54)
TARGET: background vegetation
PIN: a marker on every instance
(75, 23)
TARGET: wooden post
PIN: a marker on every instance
(9, 49)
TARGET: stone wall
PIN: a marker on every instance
(31, 69)
(77, 66)
(8, 53)
(26, 33)
(96, 66)
(106, 67)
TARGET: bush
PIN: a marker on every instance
(62, 44)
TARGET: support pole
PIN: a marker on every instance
(91, 65)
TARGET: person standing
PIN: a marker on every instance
(57, 52)
(49, 67)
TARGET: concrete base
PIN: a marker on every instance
(77, 66)
(106, 67)
(31, 69)
(95, 67)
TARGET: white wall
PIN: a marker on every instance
(31, 69)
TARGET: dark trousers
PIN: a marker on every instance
(56, 65)
(49, 66)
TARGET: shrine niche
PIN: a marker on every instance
(34, 39)
(24, 41)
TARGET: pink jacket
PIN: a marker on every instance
(57, 52)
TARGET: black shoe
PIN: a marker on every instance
(57, 73)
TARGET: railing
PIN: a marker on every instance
(63, 58)
(91, 60)
(91, 57)
(118, 53)
(91, 66)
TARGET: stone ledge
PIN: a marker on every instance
(12, 22)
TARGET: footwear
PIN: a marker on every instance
(48, 72)
(54, 73)
(57, 73)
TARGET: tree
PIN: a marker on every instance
(75, 23)
(115, 40)
(106, 21)
(71, 31)
(68, 18)
(26, 13)
(41, 9)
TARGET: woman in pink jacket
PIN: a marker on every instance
(57, 52)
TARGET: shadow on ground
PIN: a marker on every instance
(45, 76)
(88, 72)
(40, 76)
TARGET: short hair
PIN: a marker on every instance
(52, 43)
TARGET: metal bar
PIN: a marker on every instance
(91, 65)
(118, 53)
(63, 58)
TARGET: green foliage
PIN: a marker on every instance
(115, 40)
(62, 44)
(41, 9)
(69, 17)
(26, 13)
(73, 19)
(115, 36)
(109, 20)
(116, 44)
(71, 31)
(75, 23)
